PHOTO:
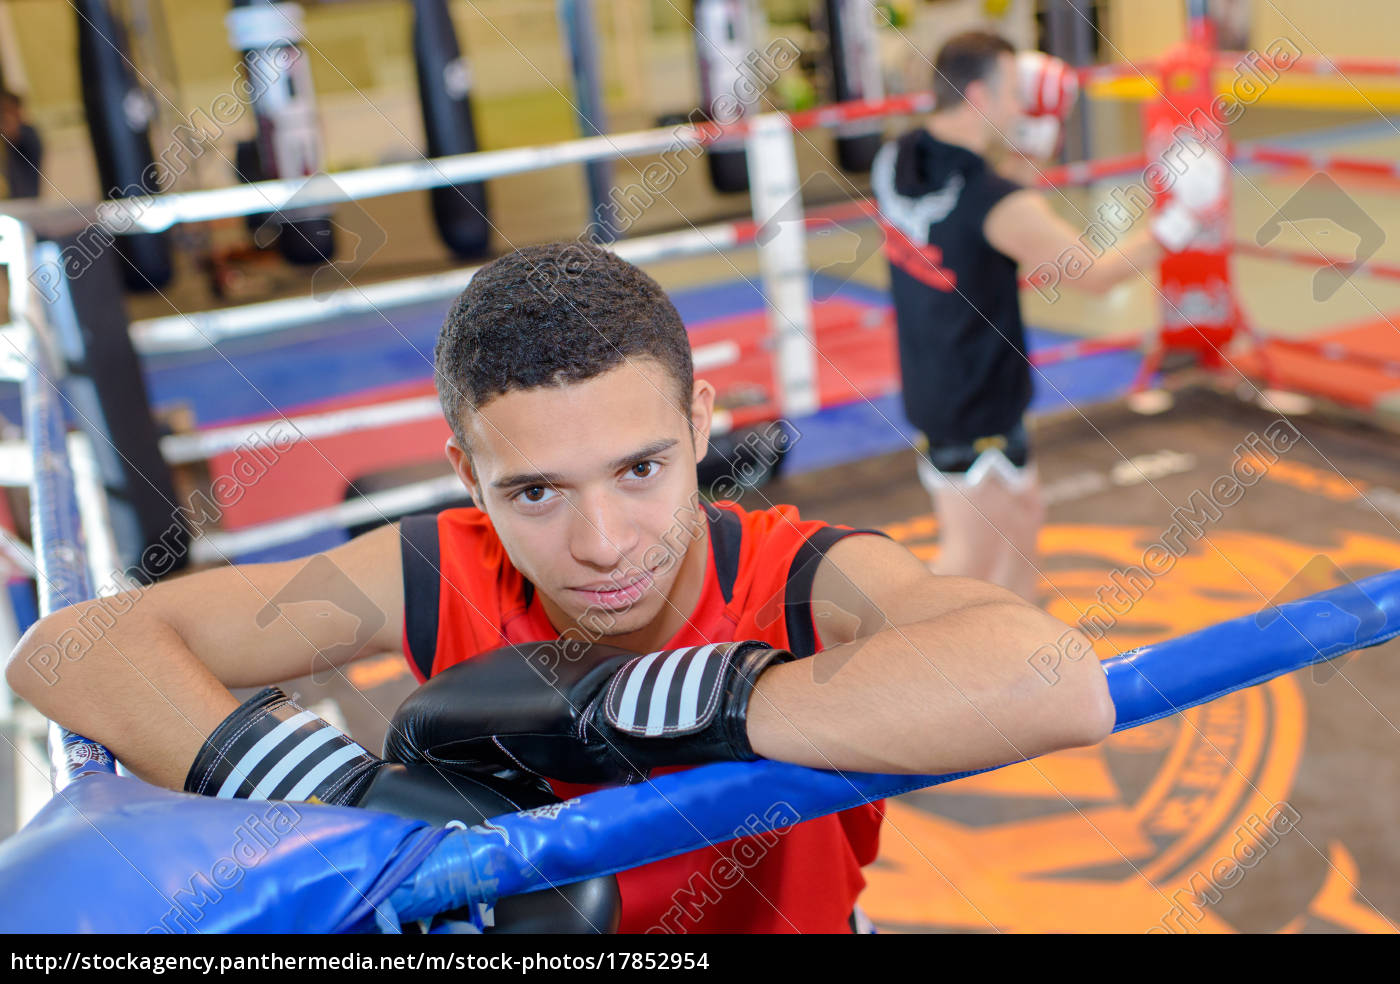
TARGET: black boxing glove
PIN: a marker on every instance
(584, 713)
(271, 748)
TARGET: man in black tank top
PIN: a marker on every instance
(956, 232)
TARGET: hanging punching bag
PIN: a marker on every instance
(119, 117)
(854, 56)
(444, 92)
(724, 40)
(278, 79)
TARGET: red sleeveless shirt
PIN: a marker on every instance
(758, 583)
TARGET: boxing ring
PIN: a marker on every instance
(353, 870)
(391, 870)
(99, 826)
(798, 353)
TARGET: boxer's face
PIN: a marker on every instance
(1001, 103)
(592, 489)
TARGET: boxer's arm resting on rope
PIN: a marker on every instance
(583, 711)
(147, 672)
(1024, 227)
(950, 687)
(268, 747)
(923, 674)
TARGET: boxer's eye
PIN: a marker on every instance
(533, 494)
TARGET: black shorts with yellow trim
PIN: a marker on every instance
(956, 458)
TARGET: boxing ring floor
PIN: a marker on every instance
(1108, 839)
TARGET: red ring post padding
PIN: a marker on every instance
(1199, 313)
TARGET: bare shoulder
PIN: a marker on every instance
(1025, 205)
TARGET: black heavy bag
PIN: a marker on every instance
(854, 56)
(119, 116)
(444, 92)
(279, 88)
(248, 170)
(723, 43)
(743, 459)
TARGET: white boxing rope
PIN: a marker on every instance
(16, 464)
(158, 213)
(191, 332)
(13, 365)
(184, 449)
(217, 547)
(99, 540)
(716, 355)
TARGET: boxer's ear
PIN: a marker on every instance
(461, 463)
(702, 411)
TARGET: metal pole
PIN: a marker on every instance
(581, 39)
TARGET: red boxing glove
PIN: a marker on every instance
(1045, 85)
(1047, 89)
(1198, 178)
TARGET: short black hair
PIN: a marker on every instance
(964, 59)
(553, 314)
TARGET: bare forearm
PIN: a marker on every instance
(1135, 256)
(957, 692)
(135, 687)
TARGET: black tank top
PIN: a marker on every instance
(961, 343)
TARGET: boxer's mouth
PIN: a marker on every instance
(610, 594)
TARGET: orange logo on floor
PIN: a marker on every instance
(1158, 829)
